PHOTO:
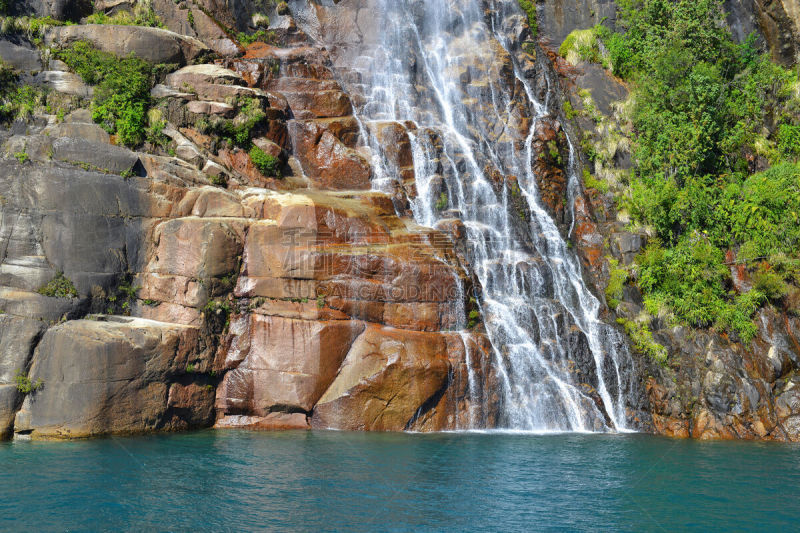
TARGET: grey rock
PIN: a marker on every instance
(58, 9)
(120, 375)
(18, 338)
(79, 130)
(20, 55)
(98, 155)
(151, 44)
(63, 82)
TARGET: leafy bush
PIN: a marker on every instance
(442, 202)
(242, 128)
(642, 340)
(24, 384)
(59, 287)
(262, 36)
(267, 164)
(769, 283)
(142, 15)
(705, 109)
(529, 7)
(122, 89)
(691, 278)
(618, 276)
(17, 101)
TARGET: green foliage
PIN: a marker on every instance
(569, 111)
(618, 276)
(593, 183)
(769, 283)
(263, 36)
(788, 139)
(17, 101)
(217, 315)
(59, 287)
(190, 368)
(700, 97)
(582, 45)
(474, 318)
(642, 340)
(241, 129)
(529, 7)
(24, 384)
(22, 157)
(122, 89)
(691, 278)
(442, 202)
(267, 164)
(704, 108)
(142, 15)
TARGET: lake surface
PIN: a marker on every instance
(332, 481)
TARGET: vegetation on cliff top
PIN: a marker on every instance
(709, 115)
(529, 7)
(121, 92)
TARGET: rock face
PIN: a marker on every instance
(243, 296)
(151, 44)
(718, 389)
(123, 375)
(712, 387)
(209, 291)
(776, 23)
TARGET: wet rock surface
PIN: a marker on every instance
(302, 298)
(242, 294)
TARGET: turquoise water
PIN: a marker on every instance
(329, 481)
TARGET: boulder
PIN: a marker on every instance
(280, 364)
(197, 247)
(116, 376)
(20, 55)
(326, 160)
(62, 82)
(94, 155)
(387, 376)
(151, 44)
(18, 338)
(58, 9)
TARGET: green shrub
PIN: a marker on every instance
(769, 283)
(143, 15)
(529, 8)
(788, 138)
(263, 36)
(24, 384)
(593, 183)
(267, 164)
(22, 157)
(242, 128)
(442, 202)
(17, 101)
(122, 89)
(581, 45)
(618, 276)
(59, 287)
(703, 109)
(643, 342)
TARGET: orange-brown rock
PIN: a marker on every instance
(326, 160)
(281, 364)
(271, 422)
(197, 247)
(384, 380)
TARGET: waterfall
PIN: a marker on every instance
(448, 73)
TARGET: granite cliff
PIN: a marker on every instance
(236, 268)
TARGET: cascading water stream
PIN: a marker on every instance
(448, 73)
